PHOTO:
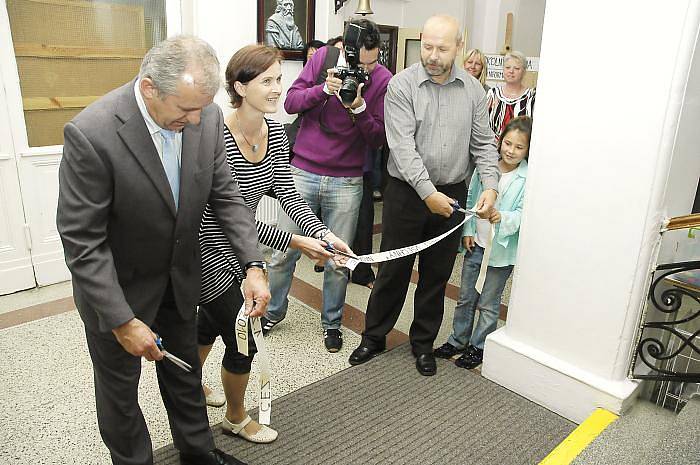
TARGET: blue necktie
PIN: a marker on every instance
(172, 167)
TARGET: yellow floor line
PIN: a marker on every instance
(580, 438)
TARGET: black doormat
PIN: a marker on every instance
(384, 412)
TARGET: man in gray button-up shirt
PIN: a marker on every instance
(436, 126)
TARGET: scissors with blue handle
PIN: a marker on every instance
(457, 208)
(329, 247)
(176, 360)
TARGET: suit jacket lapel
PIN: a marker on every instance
(137, 138)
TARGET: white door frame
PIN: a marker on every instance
(16, 269)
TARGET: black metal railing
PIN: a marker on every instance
(676, 334)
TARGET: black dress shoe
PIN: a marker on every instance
(447, 350)
(425, 364)
(214, 457)
(363, 354)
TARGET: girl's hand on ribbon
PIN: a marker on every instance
(468, 243)
(495, 217)
(484, 206)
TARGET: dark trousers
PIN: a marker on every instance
(406, 220)
(362, 245)
(117, 374)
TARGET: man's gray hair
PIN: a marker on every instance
(167, 63)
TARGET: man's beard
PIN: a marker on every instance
(440, 70)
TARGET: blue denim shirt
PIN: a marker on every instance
(510, 205)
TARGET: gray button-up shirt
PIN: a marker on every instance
(433, 128)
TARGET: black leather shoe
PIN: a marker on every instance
(447, 350)
(425, 364)
(363, 354)
(214, 457)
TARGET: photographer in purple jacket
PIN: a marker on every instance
(341, 95)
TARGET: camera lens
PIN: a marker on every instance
(348, 90)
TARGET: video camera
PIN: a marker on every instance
(351, 75)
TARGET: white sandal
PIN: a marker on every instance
(264, 436)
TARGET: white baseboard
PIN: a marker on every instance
(559, 386)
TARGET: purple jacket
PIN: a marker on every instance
(343, 151)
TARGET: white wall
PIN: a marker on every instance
(685, 171)
(528, 22)
(487, 25)
(402, 13)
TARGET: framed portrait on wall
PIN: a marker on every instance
(287, 25)
(387, 46)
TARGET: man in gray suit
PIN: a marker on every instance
(139, 166)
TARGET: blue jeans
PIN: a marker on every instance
(489, 302)
(336, 201)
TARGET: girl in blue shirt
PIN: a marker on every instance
(514, 146)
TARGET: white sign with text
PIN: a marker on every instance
(495, 66)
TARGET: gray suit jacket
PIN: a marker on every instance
(122, 237)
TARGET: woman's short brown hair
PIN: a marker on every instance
(247, 64)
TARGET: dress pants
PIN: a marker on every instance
(117, 374)
(406, 221)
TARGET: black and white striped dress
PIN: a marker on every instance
(220, 267)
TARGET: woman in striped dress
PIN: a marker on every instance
(513, 98)
(257, 153)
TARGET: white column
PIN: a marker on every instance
(484, 31)
(614, 81)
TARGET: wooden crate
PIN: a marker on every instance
(71, 77)
(45, 127)
(77, 23)
(68, 54)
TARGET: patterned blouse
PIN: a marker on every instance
(220, 267)
(503, 109)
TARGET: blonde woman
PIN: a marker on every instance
(475, 64)
(512, 98)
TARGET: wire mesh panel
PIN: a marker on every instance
(70, 52)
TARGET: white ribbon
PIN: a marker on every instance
(403, 251)
(479, 286)
(264, 389)
(412, 249)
